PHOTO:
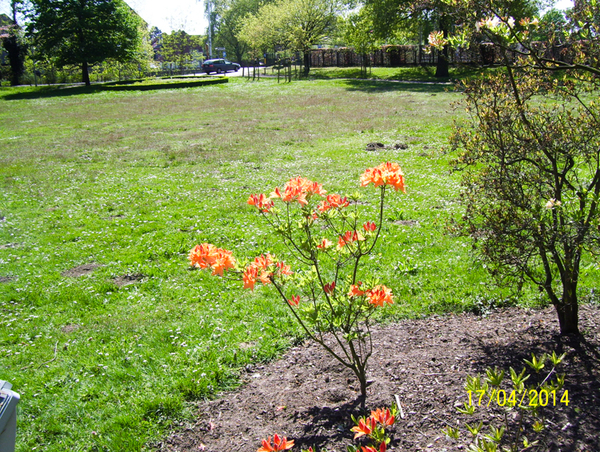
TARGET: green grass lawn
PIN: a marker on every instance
(410, 73)
(128, 182)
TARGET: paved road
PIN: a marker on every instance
(232, 74)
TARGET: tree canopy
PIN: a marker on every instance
(294, 25)
(178, 47)
(227, 17)
(441, 15)
(84, 32)
(530, 156)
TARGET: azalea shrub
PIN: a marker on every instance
(327, 292)
(279, 443)
(372, 428)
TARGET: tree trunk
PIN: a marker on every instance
(16, 58)
(306, 63)
(443, 63)
(568, 307)
(85, 74)
(568, 317)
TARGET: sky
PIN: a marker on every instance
(187, 15)
(170, 15)
(167, 15)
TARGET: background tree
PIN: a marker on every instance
(531, 158)
(358, 32)
(156, 42)
(228, 18)
(178, 46)
(392, 15)
(441, 15)
(294, 25)
(84, 32)
(551, 28)
(14, 43)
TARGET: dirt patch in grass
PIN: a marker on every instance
(308, 397)
(80, 270)
(70, 328)
(126, 280)
(373, 147)
(407, 222)
(8, 245)
(5, 279)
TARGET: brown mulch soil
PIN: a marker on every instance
(308, 397)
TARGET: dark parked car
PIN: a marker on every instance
(219, 66)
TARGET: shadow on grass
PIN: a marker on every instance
(66, 91)
(381, 86)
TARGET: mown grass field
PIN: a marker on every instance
(110, 356)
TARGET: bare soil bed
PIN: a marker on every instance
(308, 397)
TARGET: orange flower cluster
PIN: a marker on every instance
(329, 288)
(382, 448)
(262, 269)
(278, 444)
(262, 203)
(333, 202)
(366, 426)
(325, 243)
(299, 189)
(383, 417)
(385, 174)
(209, 256)
(355, 290)
(294, 301)
(377, 296)
(349, 237)
(369, 226)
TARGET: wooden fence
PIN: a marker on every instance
(413, 55)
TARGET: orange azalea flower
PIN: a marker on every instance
(329, 288)
(294, 301)
(265, 277)
(249, 277)
(207, 255)
(385, 174)
(379, 295)
(357, 236)
(262, 203)
(369, 226)
(299, 189)
(355, 290)
(349, 237)
(324, 244)
(197, 254)
(262, 268)
(382, 448)
(263, 261)
(343, 240)
(333, 202)
(364, 427)
(278, 444)
(383, 417)
(283, 269)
